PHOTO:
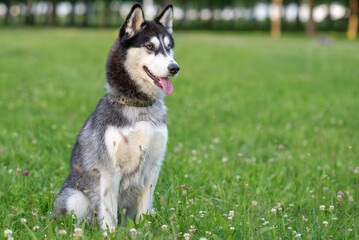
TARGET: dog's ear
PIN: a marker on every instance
(133, 21)
(166, 17)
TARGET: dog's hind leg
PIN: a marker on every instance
(71, 199)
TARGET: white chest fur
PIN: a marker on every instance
(131, 147)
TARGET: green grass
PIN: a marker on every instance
(238, 97)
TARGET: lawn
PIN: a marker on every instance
(263, 134)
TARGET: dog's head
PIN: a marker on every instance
(141, 62)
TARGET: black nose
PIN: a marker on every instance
(173, 68)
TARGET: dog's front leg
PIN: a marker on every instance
(109, 187)
(144, 201)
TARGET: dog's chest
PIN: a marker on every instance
(131, 148)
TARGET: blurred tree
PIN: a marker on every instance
(353, 20)
(276, 19)
(86, 16)
(72, 13)
(105, 14)
(298, 24)
(29, 16)
(310, 29)
(7, 15)
(53, 13)
(329, 17)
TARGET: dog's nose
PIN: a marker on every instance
(173, 68)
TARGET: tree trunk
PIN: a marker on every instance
(329, 18)
(298, 24)
(311, 25)
(185, 5)
(86, 14)
(276, 19)
(53, 14)
(353, 20)
(106, 14)
(7, 16)
(29, 17)
(72, 13)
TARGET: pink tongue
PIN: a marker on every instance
(166, 85)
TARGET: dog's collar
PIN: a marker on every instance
(129, 102)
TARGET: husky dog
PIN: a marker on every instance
(119, 151)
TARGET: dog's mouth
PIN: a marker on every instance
(161, 82)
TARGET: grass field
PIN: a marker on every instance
(268, 129)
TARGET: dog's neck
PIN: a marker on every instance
(130, 102)
(129, 98)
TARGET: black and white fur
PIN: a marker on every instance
(119, 151)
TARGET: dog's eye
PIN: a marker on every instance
(149, 46)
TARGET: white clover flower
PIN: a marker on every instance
(331, 207)
(10, 238)
(349, 229)
(172, 209)
(192, 229)
(78, 232)
(35, 228)
(184, 193)
(23, 220)
(43, 217)
(351, 199)
(321, 207)
(7, 233)
(186, 236)
(153, 212)
(265, 223)
(203, 238)
(232, 228)
(231, 214)
(208, 233)
(298, 235)
(164, 228)
(133, 231)
(62, 232)
(325, 223)
(254, 203)
(229, 218)
(291, 205)
(273, 210)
